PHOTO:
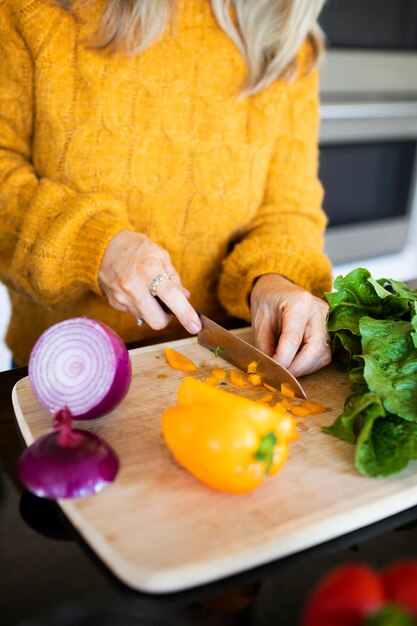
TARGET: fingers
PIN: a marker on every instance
(280, 307)
(130, 264)
(315, 353)
(170, 291)
(151, 312)
(175, 299)
(293, 323)
(265, 329)
(309, 331)
(310, 359)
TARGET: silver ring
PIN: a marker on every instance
(154, 284)
(139, 321)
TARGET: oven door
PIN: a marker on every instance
(368, 170)
(372, 46)
(370, 24)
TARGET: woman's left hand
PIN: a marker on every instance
(289, 324)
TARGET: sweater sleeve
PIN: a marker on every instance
(52, 237)
(286, 235)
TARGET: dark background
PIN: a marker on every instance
(383, 24)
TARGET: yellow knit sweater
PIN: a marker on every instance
(158, 143)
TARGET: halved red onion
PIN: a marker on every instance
(67, 463)
(81, 364)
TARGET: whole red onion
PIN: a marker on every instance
(67, 463)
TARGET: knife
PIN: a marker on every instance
(240, 353)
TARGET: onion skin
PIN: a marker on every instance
(67, 470)
(80, 363)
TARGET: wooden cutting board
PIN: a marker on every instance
(160, 530)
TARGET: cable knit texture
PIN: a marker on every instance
(159, 143)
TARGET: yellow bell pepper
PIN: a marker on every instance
(227, 441)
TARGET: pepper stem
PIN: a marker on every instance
(265, 452)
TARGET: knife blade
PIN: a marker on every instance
(240, 353)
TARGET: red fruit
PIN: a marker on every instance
(344, 597)
(400, 584)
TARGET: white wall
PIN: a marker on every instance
(401, 266)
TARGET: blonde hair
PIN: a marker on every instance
(268, 33)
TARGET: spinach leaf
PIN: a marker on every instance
(396, 287)
(353, 298)
(391, 364)
(414, 325)
(359, 409)
(373, 327)
(358, 294)
(385, 446)
(357, 379)
(345, 346)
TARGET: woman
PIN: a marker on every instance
(163, 147)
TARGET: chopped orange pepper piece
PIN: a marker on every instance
(254, 379)
(178, 361)
(162, 375)
(315, 407)
(236, 378)
(286, 390)
(300, 410)
(218, 373)
(212, 381)
(287, 404)
(252, 367)
(265, 399)
(269, 387)
(280, 408)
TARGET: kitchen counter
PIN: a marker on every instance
(48, 575)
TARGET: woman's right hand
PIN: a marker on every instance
(130, 263)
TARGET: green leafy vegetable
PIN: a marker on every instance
(358, 294)
(390, 615)
(414, 325)
(373, 325)
(217, 351)
(358, 411)
(390, 360)
(386, 446)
